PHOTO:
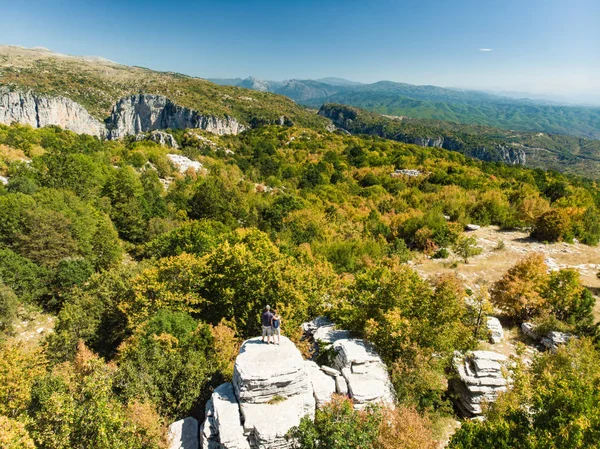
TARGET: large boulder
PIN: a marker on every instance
(274, 391)
(480, 379)
(364, 372)
(183, 434)
(268, 424)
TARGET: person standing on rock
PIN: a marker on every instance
(276, 326)
(267, 318)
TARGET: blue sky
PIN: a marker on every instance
(537, 46)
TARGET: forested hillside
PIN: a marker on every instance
(155, 276)
(537, 150)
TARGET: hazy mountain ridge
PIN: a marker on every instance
(439, 103)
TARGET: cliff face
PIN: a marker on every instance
(145, 112)
(130, 116)
(37, 111)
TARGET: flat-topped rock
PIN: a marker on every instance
(263, 371)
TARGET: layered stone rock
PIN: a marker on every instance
(323, 383)
(480, 380)
(273, 388)
(38, 111)
(183, 434)
(146, 112)
(365, 373)
(495, 331)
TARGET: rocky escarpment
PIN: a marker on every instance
(130, 116)
(349, 119)
(38, 111)
(145, 112)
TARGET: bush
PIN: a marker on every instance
(441, 253)
(8, 308)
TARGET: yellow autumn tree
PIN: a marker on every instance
(518, 292)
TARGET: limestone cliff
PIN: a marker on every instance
(145, 112)
(130, 116)
(38, 111)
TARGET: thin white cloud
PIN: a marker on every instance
(486, 49)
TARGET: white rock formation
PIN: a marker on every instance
(160, 137)
(183, 434)
(271, 392)
(323, 384)
(184, 163)
(147, 112)
(480, 379)
(38, 111)
(496, 333)
(472, 227)
(364, 377)
(274, 388)
(223, 426)
(529, 330)
(365, 373)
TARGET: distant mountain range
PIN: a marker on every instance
(436, 103)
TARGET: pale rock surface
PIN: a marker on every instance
(226, 418)
(267, 424)
(183, 434)
(529, 330)
(184, 163)
(480, 379)
(472, 227)
(496, 333)
(323, 384)
(38, 111)
(365, 373)
(274, 391)
(160, 137)
(146, 112)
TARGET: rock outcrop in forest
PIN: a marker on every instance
(274, 387)
(141, 113)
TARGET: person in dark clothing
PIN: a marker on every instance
(266, 319)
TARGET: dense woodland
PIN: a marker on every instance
(154, 289)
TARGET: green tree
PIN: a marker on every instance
(466, 247)
(168, 361)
